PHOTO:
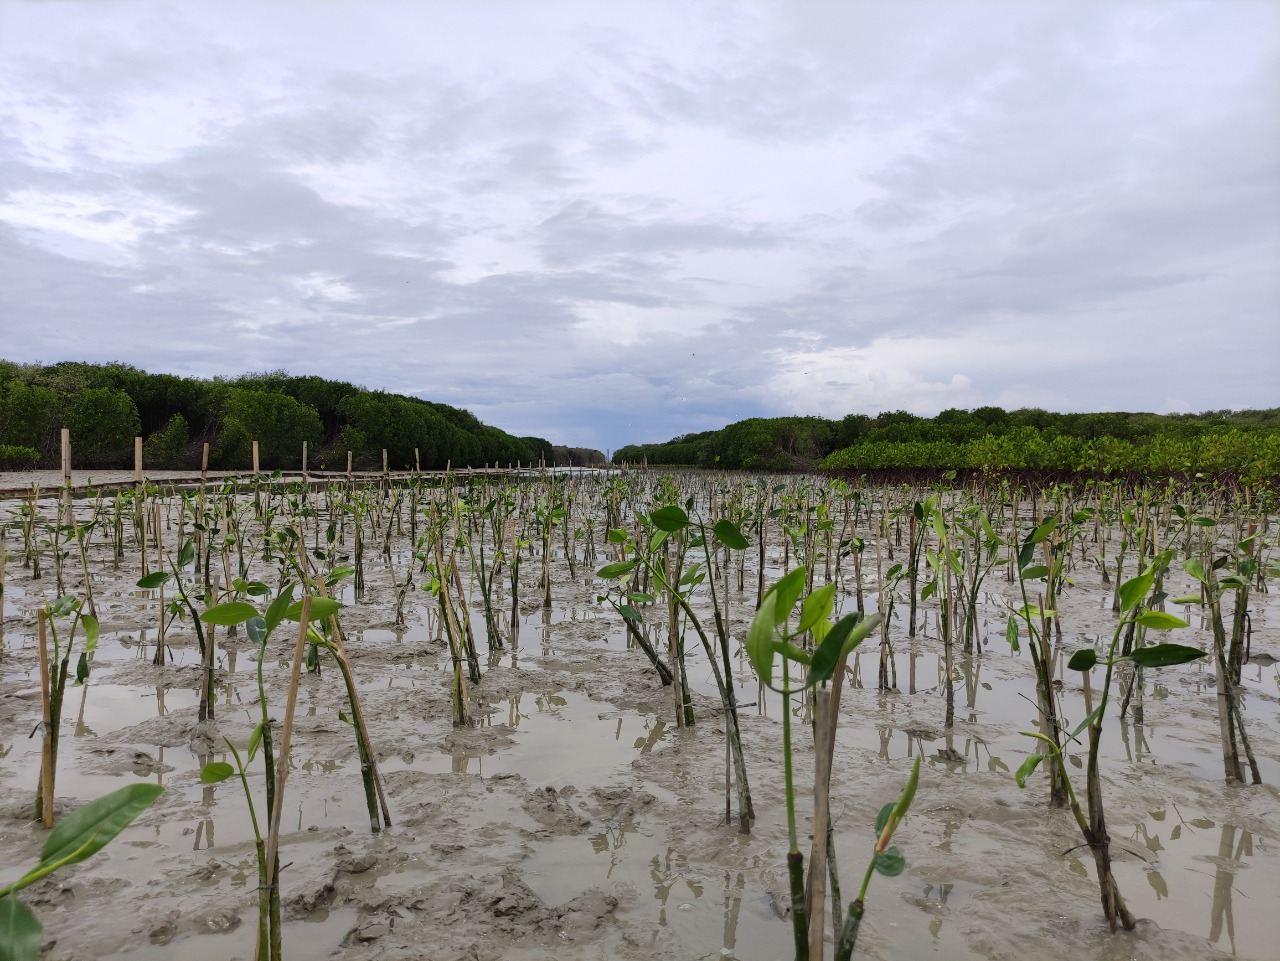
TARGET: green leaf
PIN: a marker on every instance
(321, 609)
(850, 631)
(339, 574)
(187, 553)
(883, 817)
(1043, 531)
(276, 611)
(233, 612)
(86, 830)
(82, 668)
(760, 637)
(1093, 716)
(1195, 569)
(154, 580)
(216, 771)
(816, 607)
(786, 592)
(1026, 767)
(657, 540)
(1164, 655)
(1185, 599)
(66, 604)
(1083, 659)
(257, 630)
(727, 533)
(90, 633)
(1011, 634)
(630, 613)
(797, 655)
(1204, 521)
(617, 535)
(20, 932)
(670, 519)
(1160, 621)
(255, 740)
(620, 569)
(1035, 572)
(1134, 590)
(890, 862)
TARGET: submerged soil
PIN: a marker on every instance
(576, 821)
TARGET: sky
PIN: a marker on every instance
(617, 222)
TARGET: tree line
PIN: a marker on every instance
(105, 406)
(1245, 443)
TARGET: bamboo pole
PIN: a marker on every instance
(159, 655)
(357, 712)
(282, 768)
(45, 806)
(817, 886)
(1, 593)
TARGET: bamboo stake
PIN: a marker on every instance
(286, 737)
(159, 655)
(1, 593)
(817, 887)
(45, 801)
(357, 712)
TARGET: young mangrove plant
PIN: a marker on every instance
(53, 684)
(80, 835)
(771, 637)
(672, 523)
(1134, 616)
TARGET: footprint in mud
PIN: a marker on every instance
(551, 809)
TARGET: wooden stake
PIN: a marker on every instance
(159, 655)
(46, 747)
(1, 593)
(255, 457)
(286, 737)
(137, 461)
(817, 887)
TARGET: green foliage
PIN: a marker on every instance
(277, 421)
(103, 424)
(1245, 443)
(107, 405)
(13, 457)
(27, 414)
(80, 835)
(167, 448)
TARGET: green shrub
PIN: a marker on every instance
(16, 457)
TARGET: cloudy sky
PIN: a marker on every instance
(615, 222)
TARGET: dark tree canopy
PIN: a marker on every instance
(106, 405)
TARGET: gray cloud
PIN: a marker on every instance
(606, 223)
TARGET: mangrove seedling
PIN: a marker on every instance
(81, 834)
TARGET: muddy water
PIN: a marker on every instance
(576, 820)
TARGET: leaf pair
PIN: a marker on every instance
(769, 636)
